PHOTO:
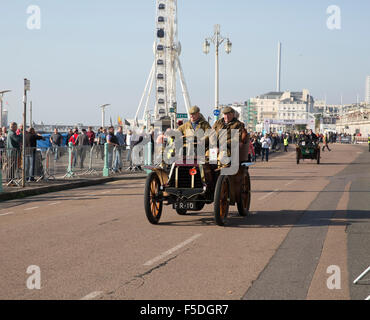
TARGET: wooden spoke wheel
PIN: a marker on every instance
(153, 206)
(245, 195)
(222, 199)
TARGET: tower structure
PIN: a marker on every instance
(166, 66)
(278, 76)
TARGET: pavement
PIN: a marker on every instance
(308, 231)
(54, 185)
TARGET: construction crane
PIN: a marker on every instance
(165, 68)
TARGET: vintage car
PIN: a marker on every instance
(188, 187)
(308, 150)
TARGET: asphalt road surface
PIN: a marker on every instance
(308, 237)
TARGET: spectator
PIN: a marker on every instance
(128, 143)
(2, 139)
(56, 141)
(266, 144)
(325, 142)
(91, 135)
(82, 145)
(286, 144)
(19, 131)
(257, 147)
(73, 139)
(30, 152)
(122, 143)
(13, 145)
(112, 145)
(137, 139)
(69, 135)
(2, 146)
(102, 139)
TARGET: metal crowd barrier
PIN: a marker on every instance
(361, 140)
(64, 162)
(11, 166)
(77, 161)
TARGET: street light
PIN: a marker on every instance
(103, 113)
(1, 105)
(217, 40)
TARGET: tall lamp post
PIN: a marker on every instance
(217, 40)
(1, 105)
(103, 114)
(27, 87)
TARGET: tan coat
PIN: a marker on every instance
(233, 124)
(243, 134)
(203, 124)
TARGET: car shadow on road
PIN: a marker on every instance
(342, 163)
(276, 219)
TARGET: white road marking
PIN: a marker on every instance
(361, 275)
(291, 182)
(368, 298)
(269, 194)
(54, 203)
(92, 295)
(27, 209)
(168, 252)
(5, 214)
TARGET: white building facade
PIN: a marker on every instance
(282, 110)
(355, 120)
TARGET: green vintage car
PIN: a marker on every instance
(308, 150)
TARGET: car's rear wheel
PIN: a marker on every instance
(245, 195)
(222, 200)
(153, 206)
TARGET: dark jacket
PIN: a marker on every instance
(13, 141)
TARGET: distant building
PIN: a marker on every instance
(247, 113)
(367, 90)
(355, 119)
(283, 109)
(328, 110)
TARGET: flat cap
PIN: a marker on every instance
(228, 110)
(194, 109)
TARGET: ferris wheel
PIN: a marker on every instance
(166, 66)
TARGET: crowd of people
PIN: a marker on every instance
(11, 144)
(120, 140)
(81, 141)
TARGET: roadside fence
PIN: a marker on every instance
(63, 162)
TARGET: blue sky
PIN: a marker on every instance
(91, 52)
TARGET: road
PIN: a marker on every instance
(95, 242)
